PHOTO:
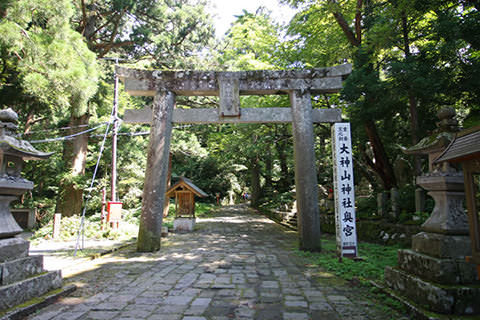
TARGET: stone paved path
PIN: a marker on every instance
(237, 265)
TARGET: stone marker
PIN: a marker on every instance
(57, 225)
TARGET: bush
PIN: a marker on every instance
(69, 227)
(375, 258)
(407, 199)
(366, 206)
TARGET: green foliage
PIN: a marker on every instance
(371, 267)
(278, 201)
(366, 206)
(202, 210)
(92, 230)
(252, 43)
(409, 58)
(317, 40)
(164, 34)
(45, 57)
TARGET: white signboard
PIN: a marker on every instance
(344, 190)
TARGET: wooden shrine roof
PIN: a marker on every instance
(465, 146)
(187, 183)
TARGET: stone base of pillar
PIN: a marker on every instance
(183, 224)
(22, 277)
(442, 245)
(445, 271)
(434, 274)
(455, 299)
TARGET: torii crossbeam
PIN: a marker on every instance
(300, 85)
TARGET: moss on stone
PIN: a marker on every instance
(32, 302)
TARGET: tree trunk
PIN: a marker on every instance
(366, 168)
(268, 169)
(70, 198)
(255, 182)
(414, 130)
(29, 122)
(285, 179)
(382, 165)
(412, 100)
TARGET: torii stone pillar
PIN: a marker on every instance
(155, 184)
(305, 171)
(165, 85)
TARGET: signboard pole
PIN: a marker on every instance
(346, 229)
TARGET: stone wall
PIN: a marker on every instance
(376, 231)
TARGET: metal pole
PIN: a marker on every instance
(114, 138)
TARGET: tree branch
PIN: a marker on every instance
(112, 45)
(344, 26)
(184, 36)
(114, 33)
(84, 14)
(358, 21)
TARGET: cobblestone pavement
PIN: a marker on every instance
(237, 265)
(59, 254)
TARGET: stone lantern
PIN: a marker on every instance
(434, 273)
(465, 149)
(13, 153)
(22, 277)
(443, 181)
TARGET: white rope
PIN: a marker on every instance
(128, 134)
(70, 136)
(82, 221)
(56, 129)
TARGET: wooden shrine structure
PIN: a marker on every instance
(184, 192)
(164, 86)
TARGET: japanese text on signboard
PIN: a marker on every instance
(344, 190)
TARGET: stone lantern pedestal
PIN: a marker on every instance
(434, 273)
(22, 277)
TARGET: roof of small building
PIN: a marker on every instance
(466, 145)
(185, 182)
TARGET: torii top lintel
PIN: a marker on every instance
(208, 83)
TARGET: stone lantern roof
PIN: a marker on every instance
(10, 145)
(434, 144)
(441, 137)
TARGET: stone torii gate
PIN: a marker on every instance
(164, 86)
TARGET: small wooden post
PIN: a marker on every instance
(57, 219)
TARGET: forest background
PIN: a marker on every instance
(410, 57)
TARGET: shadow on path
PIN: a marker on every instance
(235, 265)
